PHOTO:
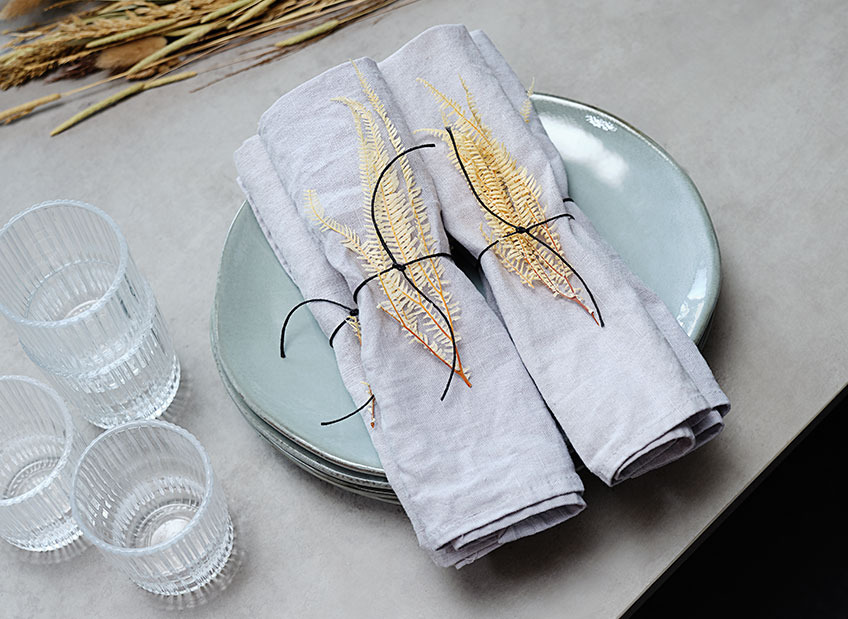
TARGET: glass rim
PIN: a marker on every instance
(202, 508)
(70, 435)
(113, 287)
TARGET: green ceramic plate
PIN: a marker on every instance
(374, 487)
(641, 201)
(368, 484)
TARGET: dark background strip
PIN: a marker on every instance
(782, 548)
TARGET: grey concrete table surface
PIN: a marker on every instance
(749, 97)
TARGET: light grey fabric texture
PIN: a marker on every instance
(483, 467)
(624, 395)
(711, 423)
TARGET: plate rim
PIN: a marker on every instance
(701, 328)
(257, 410)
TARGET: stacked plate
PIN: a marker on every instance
(642, 202)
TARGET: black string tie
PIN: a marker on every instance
(350, 414)
(352, 311)
(521, 229)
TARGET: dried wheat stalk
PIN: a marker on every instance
(104, 36)
(120, 96)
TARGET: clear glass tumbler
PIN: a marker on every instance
(39, 448)
(84, 314)
(145, 495)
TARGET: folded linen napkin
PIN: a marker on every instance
(626, 398)
(704, 427)
(486, 465)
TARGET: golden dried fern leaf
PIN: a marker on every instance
(527, 106)
(373, 403)
(511, 194)
(425, 310)
(353, 321)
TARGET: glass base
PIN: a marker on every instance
(212, 589)
(74, 546)
(25, 463)
(142, 407)
(60, 536)
(221, 568)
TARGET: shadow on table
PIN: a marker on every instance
(648, 506)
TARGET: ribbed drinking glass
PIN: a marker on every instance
(39, 448)
(145, 495)
(84, 314)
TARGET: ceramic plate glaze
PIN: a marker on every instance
(375, 487)
(639, 199)
(290, 448)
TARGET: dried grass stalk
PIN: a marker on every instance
(93, 109)
(308, 34)
(169, 79)
(250, 13)
(176, 45)
(130, 34)
(81, 42)
(23, 109)
(119, 96)
(226, 10)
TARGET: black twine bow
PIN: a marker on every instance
(352, 311)
(521, 229)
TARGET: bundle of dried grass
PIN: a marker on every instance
(144, 38)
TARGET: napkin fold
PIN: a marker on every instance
(485, 465)
(631, 395)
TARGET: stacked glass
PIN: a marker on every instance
(143, 492)
(84, 314)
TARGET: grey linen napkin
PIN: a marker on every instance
(624, 395)
(483, 467)
(704, 427)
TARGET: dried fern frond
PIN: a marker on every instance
(403, 224)
(527, 106)
(373, 403)
(353, 322)
(511, 192)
